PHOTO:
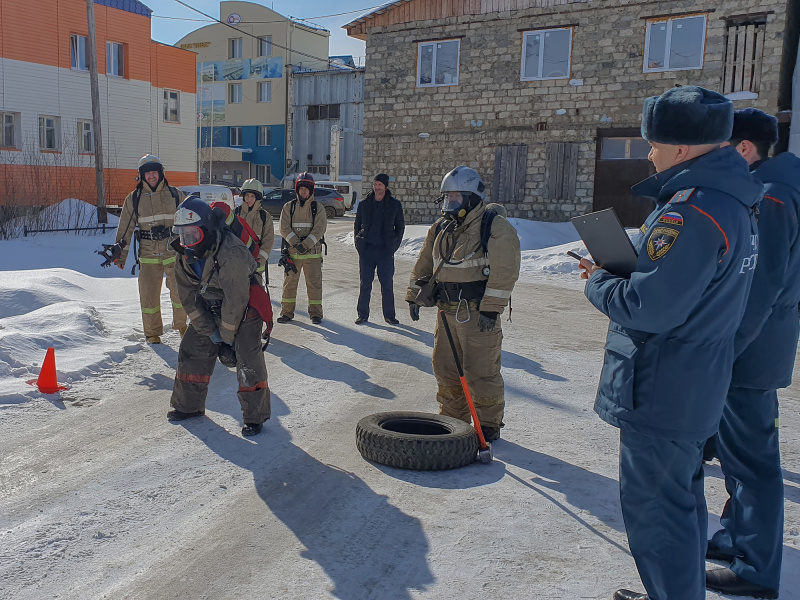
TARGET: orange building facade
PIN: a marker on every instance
(147, 101)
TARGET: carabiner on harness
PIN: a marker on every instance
(458, 308)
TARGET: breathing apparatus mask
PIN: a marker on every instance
(462, 190)
(196, 226)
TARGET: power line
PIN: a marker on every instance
(350, 12)
(325, 60)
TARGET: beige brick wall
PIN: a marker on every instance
(491, 106)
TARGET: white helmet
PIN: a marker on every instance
(150, 158)
(462, 190)
(253, 186)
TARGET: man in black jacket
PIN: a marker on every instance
(378, 233)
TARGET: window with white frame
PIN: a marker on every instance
(236, 136)
(85, 136)
(264, 135)
(235, 93)
(172, 106)
(235, 48)
(265, 45)
(115, 59)
(49, 133)
(265, 91)
(437, 63)
(546, 54)
(77, 52)
(263, 173)
(10, 135)
(675, 44)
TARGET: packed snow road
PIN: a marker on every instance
(103, 498)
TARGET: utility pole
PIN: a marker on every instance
(102, 213)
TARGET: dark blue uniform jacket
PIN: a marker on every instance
(669, 351)
(766, 343)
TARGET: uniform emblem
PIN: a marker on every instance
(671, 218)
(643, 229)
(660, 241)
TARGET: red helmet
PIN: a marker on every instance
(304, 180)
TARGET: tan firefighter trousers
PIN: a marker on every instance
(312, 268)
(151, 276)
(197, 358)
(479, 353)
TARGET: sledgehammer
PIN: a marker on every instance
(485, 453)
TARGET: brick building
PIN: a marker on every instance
(543, 97)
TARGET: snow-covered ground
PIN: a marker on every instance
(102, 497)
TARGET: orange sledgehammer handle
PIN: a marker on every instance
(481, 439)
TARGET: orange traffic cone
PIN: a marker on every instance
(47, 382)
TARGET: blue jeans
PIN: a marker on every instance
(664, 508)
(371, 258)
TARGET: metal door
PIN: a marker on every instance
(621, 163)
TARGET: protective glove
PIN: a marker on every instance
(413, 310)
(487, 321)
(111, 253)
(287, 264)
(306, 245)
(227, 355)
(215, 337)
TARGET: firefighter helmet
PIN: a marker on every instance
(304, 180)
(254, 187)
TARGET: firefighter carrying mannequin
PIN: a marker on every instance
(151, 208)
(303, 224)
(260, 221)
(213, 275)
(474, 277)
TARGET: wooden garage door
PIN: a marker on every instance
(622, 162)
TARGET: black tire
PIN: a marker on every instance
(416, 440)
(330, 212)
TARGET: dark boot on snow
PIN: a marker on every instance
(490, 434)
(629, 595)
(176, 415)
(729, 583)
(283, 319)
(251, 429)
(316, 320)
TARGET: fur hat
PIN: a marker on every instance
(383, 178)
(688, 115)
(755, 125)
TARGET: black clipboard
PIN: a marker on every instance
(607, 242)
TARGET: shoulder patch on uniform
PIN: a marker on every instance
(660, 241)
(681, 196)
(671, 218)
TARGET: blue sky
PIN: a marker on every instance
(171, 30)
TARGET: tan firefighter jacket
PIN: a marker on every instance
(298, 226)
(155, 208)
(468, 259)
(260, 221)
(224, 287)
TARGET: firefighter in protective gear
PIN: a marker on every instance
(473, 287)
(302, 226)
(213, 273)
(259, 221)
(148, 213)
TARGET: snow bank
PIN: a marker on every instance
(89, 322)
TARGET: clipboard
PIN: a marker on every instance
(607, 242)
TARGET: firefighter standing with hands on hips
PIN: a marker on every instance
(475, 263)
(213, 274)
(302, 225)
(669, 350)
(151, 209)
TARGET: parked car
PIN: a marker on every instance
(345, 188)
(332, 200)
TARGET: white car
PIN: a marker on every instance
(209, 193)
